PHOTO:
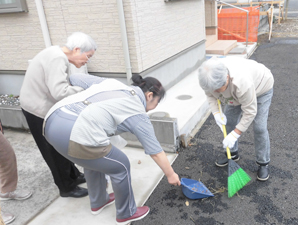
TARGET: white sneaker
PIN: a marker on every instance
(7, 217)
(16, 195)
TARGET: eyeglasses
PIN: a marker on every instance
(88, 59)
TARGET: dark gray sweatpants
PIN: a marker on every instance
(116, 164)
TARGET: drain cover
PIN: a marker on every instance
(184, 97)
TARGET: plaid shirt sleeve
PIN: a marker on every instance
(85, 80)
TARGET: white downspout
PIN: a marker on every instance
(124, 40)
(43, 23)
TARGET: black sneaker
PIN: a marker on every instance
(263, 173)
(223, 160)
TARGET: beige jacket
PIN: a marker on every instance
(248, 80)
(46, 81)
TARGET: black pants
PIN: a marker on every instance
(64, 171)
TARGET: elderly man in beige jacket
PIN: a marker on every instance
(245, 87)
(47, 82)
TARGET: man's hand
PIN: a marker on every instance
(230, 140)
(220, 120)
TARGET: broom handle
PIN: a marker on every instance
(224, 128)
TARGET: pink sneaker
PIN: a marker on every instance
(140, 214)
(97, 210)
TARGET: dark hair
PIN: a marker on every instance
(149, 84)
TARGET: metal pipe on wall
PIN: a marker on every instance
(124, 40)
(43, 23)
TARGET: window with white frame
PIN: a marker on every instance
(10, 6)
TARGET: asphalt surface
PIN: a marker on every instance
(270, 202)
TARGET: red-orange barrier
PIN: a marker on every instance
(232, 24)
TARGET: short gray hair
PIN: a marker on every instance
(212, 75)
(82, 41)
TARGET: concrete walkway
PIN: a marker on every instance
(65, 211)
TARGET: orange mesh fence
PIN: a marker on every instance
(232, 24)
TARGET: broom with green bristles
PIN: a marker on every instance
(237, 178)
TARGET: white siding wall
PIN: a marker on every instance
(97, 18)
(20, 38)
(156, 31)
(165, 29)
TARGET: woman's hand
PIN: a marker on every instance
(174, 179)
(163, 162)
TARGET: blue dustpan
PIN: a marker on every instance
(194, 189)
